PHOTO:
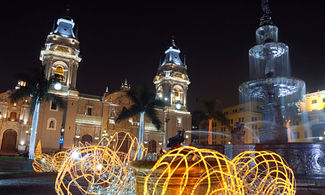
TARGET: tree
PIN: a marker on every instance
(211, 113)
(37, 88)
(144, 103)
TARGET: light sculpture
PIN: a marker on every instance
(100, 169)
(264, 172)
(189, 170)
(58, 159)
(42, 163)
(83, 174)
(105, 169)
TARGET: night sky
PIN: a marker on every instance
(126, 39)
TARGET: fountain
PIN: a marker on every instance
(271, 84)
(277, 94)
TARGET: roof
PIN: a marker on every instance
(65, 28)
(172, 55)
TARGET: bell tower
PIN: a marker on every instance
(60, 56)
(171, 80)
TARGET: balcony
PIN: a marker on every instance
(88, 119)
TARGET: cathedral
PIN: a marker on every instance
(88, 118)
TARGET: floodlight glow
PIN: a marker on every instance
(178, 106)
(58, 86)
(99, 167)
(75, 155)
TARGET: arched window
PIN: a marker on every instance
(51, 124)
(177, 95)
(160, 93)
(59, 70)
(13, 116)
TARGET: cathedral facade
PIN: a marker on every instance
(88, 118)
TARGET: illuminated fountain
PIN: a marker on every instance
(271, 84)
(276, 94)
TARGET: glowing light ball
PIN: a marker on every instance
(264, 172)
(125, 145)
(189, 170)
(42, 163)
(58, 159)
(95, 168)
(100, 169)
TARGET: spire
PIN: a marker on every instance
(125, 85)
(67, 14)
(173, 42)
(106, 90)
(266, 18)
(172, 54)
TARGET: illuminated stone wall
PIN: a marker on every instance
(14, 116)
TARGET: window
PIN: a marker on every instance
(242, 119)
(13, 116)
(241, 109)
(231, 121)
(160, 93)
(59, 70)
(179, 121)
(177, 95)
(51, 124)
(53, 106)
(298, 135)
(89, 111)
(314, 101)
(306, 134)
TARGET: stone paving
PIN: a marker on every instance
(18, 177)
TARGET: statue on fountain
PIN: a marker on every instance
(237, 133)
(173, 142)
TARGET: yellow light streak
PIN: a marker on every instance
(264, 172)
(189, 170)
(98, 169)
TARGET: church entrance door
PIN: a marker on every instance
(9, 140)
(86, 138)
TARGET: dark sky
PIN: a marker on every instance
(126, 39)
